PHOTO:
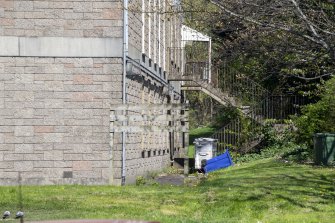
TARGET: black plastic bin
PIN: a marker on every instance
(324, 148)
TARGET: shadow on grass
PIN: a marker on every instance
(296, 185)
(200, 132)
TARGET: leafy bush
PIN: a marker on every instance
(277, 132)
(224, 115)
(318, 117)
(278, 142)
(140, 180)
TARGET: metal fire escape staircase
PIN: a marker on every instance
(195, 79)
(229, 88)
(191, 66)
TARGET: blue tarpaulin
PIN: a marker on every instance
(222, 161)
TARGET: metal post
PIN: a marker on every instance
(210, 61)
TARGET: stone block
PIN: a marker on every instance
(6, 129)
(23, 113)
(2, 138)
(81, 131)
(87, 176)
(35, 70)
(103, 78)
(94, 32)
(112, 86)
(61, 4)
(83, 6)
(41, 4)
(73, 156)
(44, 129)
(79, 149)
(26, 78)
(2, 12)
(23, 6)
(74, 33)
(98, 156)
(55, 69)
(7, 147)
(53, 137)
(33, 156)
(106, 23)
(24, 166)
(53, 172)
(31, 176)
(74, 15)
(43, 147)
(23, 96)
(6, 165)
(43, 164)
(54, 85)
(97, 138)
(24, 24)
(112, 13)
(7, 22)
(53, 155)
(82, 96)
(83, 62)
(63, 164)
(24, 148)
(73, 139)
(106, 173)
(10, 175)
(100, 164)
(112, 31)
(82, 165)
(24, 131)
(7, 4)
(54, 103)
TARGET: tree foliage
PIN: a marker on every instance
(318, 117)
(288, 46)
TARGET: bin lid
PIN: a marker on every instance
(204, 140)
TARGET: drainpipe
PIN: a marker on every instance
(124, 100)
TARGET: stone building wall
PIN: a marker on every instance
(145, 151)
(60, 72)
(54, 115)
(61, 18)
(60, 69)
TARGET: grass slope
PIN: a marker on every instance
(261, 191)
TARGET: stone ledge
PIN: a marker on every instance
(60, 47)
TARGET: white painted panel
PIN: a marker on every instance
(70, 47)
(9, 46)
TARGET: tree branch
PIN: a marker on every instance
(310, 78)
(251, 20)
(309, 24)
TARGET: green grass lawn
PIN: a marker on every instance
(261, 191)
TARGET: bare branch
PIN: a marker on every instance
(310, 78)
(287, 29)
(309, 24)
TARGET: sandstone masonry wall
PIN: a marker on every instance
(54, 115)
(55, 102)
(61, 18)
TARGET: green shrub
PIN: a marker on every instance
(277, 133)
(278, 142)
(140, 180)
(318, 117)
